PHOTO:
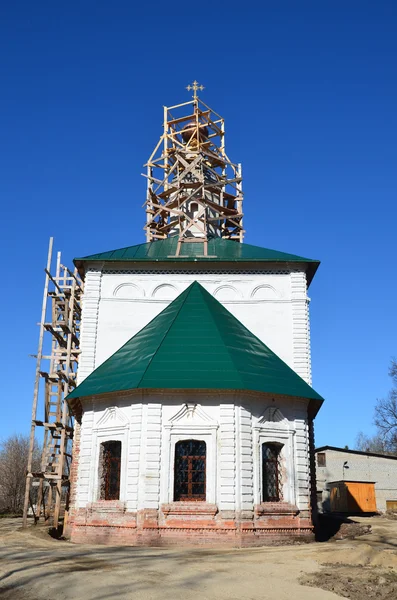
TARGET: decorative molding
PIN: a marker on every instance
(113, 425)
(189, 508)
(121, 291)
(272, 415)
(106, 506)
(276, 508)
(282, 431)
(190, 421)
(113, 417)
(243, 301)
(171, 291)
(191, 415)
(265, 286)
(197, 268)
(218, 292)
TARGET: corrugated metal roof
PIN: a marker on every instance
(195, 343)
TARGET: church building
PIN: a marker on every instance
(194, 408)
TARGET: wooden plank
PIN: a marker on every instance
(36, 385)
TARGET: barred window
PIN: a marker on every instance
(109, 470)
(271, 473)
(190, 470)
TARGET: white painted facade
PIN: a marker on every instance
(233, 426)
(381, 470)
(271, 303)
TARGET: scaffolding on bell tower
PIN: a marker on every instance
(193, 190)
(56, 366)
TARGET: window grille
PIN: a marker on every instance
(271, 473)
(110, 468)
(190, 471)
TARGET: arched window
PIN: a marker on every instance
(194, 208)
(109, 470)
(190, 470)
(271, 473)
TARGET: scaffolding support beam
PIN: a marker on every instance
(193, 190)
(59, 330)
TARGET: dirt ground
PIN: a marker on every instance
(36, 567)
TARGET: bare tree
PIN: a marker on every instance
(13, 460)
(385, 419)
(386, 413)
(370, 443)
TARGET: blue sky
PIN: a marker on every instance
(309, 93)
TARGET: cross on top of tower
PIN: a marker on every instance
(195, 86)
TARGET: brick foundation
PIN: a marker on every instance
(187, 523)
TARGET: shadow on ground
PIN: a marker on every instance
(339, 527)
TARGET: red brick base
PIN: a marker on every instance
(184, 523)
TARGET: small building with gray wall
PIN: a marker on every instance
(338, 464)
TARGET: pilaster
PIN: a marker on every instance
(246, 461)
(153, 455)
(89, 323)
(227, 458)
(134, 454)
(300, 326)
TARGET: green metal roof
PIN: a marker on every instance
(218, 249)
(195, 343)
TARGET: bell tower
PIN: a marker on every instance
(194, 191)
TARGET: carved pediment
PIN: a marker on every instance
(112, 417)
(272, 415)
(191, 415)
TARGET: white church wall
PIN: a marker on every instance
(227, 457)
(89, 323)
(150, 477)
(134, 455)
(269, 318)
(121, 319)
(246, 459)
(85, 457)
(233, 426)
(300, 326)
(272, 305)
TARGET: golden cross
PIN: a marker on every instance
(195, 86)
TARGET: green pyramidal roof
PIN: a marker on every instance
(195, 343)
(219, 250)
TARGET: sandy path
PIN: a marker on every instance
(35, 567)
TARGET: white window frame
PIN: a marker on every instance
(108, 430)
(280, 432)
(199, 429)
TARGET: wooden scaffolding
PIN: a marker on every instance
(193, 189)
(56, 367)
